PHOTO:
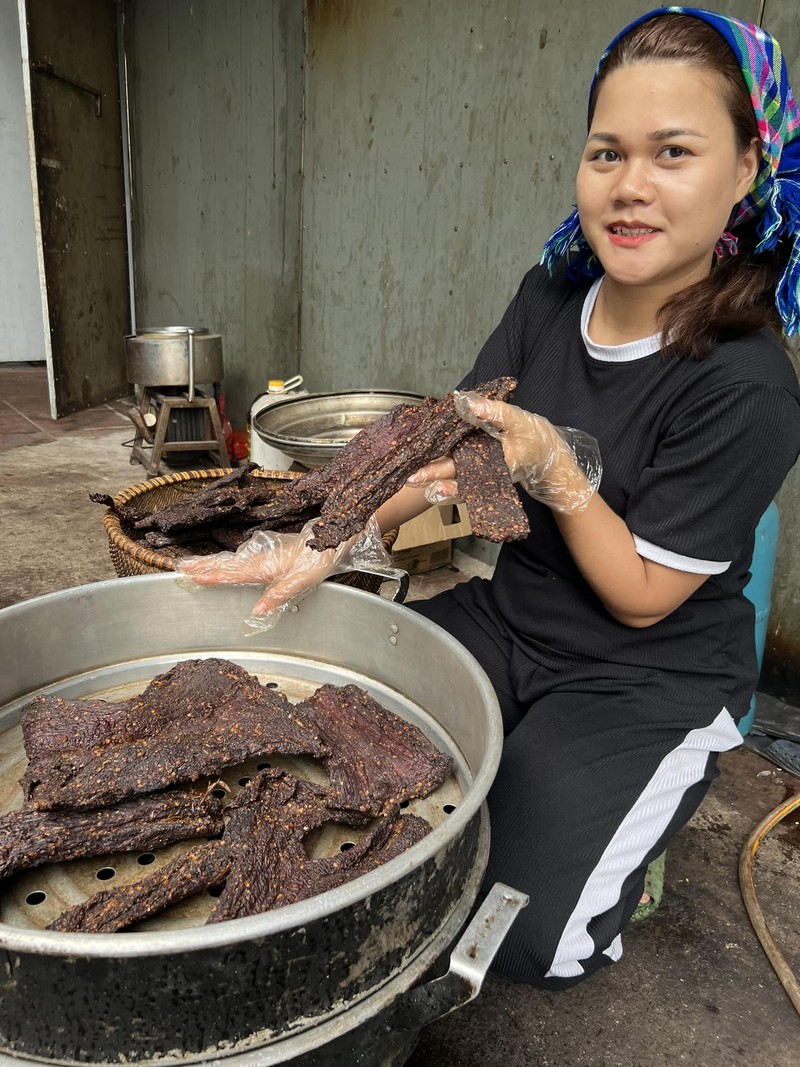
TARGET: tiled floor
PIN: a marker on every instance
(25, 410)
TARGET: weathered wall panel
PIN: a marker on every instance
(441, 144)
(215, 100)
(22, 328)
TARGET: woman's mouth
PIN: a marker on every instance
(630, 236)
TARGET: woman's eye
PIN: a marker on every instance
(673, 151)
(605, 155)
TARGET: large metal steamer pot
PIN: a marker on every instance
(327, 980)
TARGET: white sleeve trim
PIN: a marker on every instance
(678, 562)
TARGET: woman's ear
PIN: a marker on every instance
(749, 162)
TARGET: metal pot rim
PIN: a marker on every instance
(233, 931)
(284, 442)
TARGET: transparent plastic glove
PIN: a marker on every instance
(557, 465)
(438, 481)
(286, 566)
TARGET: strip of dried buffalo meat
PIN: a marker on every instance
(374, 757)
(218, 491)
(484, 483)
(30, 838)
(271, 867)
(420, 435)
(274, 804)
(202, 867)
(394, 834)
(374, 441)
(261, 859)
(201, 716)
(191, 692)
(239, 499)
(268, 822)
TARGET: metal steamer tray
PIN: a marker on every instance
(299, 983)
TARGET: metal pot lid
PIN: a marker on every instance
(312, 429)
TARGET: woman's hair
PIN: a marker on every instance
(738, 296)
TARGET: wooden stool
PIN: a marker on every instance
(214, 440)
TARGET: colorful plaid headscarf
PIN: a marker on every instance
(774, 197)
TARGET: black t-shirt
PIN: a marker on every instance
(693, 452)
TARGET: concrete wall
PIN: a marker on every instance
(441, 144)
(22, 328)
(215, 102)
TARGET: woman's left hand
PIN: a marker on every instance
(557, 465)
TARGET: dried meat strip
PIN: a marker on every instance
(271, 867)
(261, 859)
(374, 757)
(394, 834)
(239, 498)
(268, 822)
(30, 838)
(173, 742)
(375, 441)
(130, 514)
(240, 859)
(421, 434)
(484, 483)
(191, 692)
(201, 868)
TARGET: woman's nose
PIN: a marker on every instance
(633, 182)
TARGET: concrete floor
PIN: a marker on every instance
(694, 985)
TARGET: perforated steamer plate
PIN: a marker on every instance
(33, 899)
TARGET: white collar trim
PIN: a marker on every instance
(626, 353)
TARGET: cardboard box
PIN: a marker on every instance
(426, 542)
(423, 557)
(442, 522)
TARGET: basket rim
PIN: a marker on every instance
(147, 556)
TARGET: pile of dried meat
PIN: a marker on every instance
(112, 777)
(342, 495)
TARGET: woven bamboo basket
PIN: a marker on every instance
(129, 557)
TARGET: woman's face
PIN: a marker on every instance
(660, 174)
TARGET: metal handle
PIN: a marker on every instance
(469, 962)
(190, 332)
(401, 577)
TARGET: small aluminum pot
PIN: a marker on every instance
(174, 356)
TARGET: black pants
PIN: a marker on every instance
(599, 769)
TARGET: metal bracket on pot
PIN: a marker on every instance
(393, 575)
(469, 962)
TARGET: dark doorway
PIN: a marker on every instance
(79, 166)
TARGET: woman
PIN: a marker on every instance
(616, 635)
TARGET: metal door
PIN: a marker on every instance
(74, 81)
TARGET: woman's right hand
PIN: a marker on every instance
(438, 481)
(285, 564)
